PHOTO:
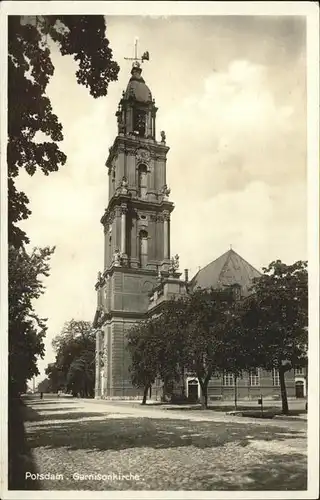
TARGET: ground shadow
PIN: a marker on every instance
(130, 432)
(277, 472)
(68, 415)
(55, 408)
(228, 408)
(20, 460)
(117, 432)
(47, 401)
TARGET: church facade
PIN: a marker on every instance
(139, 272)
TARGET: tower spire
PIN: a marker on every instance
(136, 47)
(136, 60)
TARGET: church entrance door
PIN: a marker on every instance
(193, 390)
(299, 389)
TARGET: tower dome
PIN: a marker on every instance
(136, 88)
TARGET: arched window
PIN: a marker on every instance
(139, 122)
(142, 181)
(143, 251)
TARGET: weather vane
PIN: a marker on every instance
(144, 57)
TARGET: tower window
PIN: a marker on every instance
(139, 124)
(143, 181)
(143, 241)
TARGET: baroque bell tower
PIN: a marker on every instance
(136, 226)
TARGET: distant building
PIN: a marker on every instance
(139, 273)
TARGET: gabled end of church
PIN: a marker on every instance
(227, 270)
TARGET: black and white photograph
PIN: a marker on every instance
(159, 249)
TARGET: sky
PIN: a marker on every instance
(231, 93)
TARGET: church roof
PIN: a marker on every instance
(228, 269)
(137, 87)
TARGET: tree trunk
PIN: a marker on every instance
(284, 399)
(235, 392)
(145, 394)
(183, 388)
(307, 365)
(204, 393)
(206, 398)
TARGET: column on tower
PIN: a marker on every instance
(149, 124)
(166, 216)
(154, 121)
(132, 173)
(106, 246)
(123, 228)
(129, 119)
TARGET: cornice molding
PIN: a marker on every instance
(131, 144)
(135, 205)
(130, 270)
(115, 314)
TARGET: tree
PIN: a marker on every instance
(33, 133)
(236, 346)
(206, 313)
(30, 114)
(186, 336)
(56, 377)
(44, 386)
(74, 368)
(276, 319)
(81, 375)
(156, 348)
(143, 346)
(173, 361)
(26, 328)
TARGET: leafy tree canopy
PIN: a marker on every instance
(26, 328)
(274, 320)
(277, 315)
(44, 385)
(143, 345)
(34, 132)
(186, 336)
(30, 114)
(209, 332)
(55, 376)
(74, 368)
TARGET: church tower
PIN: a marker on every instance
(136, 226)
